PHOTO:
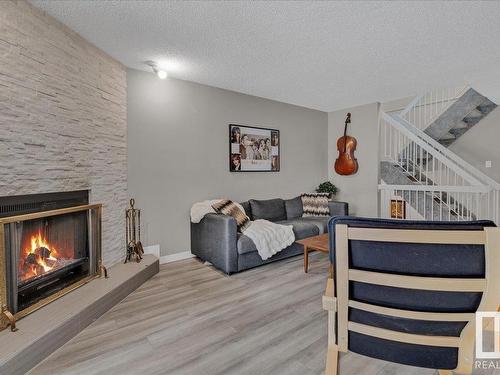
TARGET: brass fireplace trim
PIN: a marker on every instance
(6, 317)
(53, 297)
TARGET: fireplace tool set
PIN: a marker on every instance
(135, 249)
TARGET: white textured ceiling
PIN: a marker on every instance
(322, 55)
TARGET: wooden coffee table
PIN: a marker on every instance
(316, 243)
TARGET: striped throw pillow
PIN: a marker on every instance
(228, 207)
(315, 204)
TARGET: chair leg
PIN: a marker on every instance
(306, 259)
(332, 360)
(330, 305)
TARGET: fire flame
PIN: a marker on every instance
(47, 263)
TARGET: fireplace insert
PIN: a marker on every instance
(46, 253)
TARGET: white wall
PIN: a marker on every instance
(360, 189)
(481, 143)
(178, 151)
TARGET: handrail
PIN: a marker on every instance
(415, 135)
(444, 188)
(470, 169)
(410, 105)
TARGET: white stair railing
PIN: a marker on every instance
(438, 203)
(402, 145)
(425, 109)
(441, 186)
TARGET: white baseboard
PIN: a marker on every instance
(153, 249)
(175, 257)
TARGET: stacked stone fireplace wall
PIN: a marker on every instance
(63, 115)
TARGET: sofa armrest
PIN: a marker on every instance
(338, 208)
(214, 239)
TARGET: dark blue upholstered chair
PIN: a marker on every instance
(407, 291)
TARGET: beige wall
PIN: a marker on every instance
(178, 151)
(360, 189)
(62, 116)
(481, 143)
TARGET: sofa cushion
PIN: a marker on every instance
(246, 207)
(294, 208)
(320, 221)
(271, 209)
(245, 244)
(301, 229)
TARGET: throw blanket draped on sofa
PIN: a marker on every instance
(269, 238)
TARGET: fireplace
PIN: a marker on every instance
(50, 244)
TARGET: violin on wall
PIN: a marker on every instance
(346, 164)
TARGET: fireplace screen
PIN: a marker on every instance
(46, 254)
(52, 253)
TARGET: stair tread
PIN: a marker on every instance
(447, 136)
(458, 132)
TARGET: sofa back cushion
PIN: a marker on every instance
(246, 207)
(294, 208)
(271, 209)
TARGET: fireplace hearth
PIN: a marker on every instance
(45, 254)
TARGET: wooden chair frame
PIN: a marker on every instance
(337, 306)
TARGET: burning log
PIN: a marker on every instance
(39, 269)
(51, 262)
(42, 252)
(31, 259)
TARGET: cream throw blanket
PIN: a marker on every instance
(269, 238)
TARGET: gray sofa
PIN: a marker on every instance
(215, 238)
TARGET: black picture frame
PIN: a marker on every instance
(265, 158)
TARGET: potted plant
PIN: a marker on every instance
(327, 187)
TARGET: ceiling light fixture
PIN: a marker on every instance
(162, 74)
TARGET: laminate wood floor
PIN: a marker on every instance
(192, 319)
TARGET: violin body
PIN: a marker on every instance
(346, 164)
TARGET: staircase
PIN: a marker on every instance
(457, 114)
(428, 204)
(418, 169)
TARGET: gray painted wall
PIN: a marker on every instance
(178, 151)
(481, 143)
(360, 189)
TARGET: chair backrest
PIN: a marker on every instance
(407, 291)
